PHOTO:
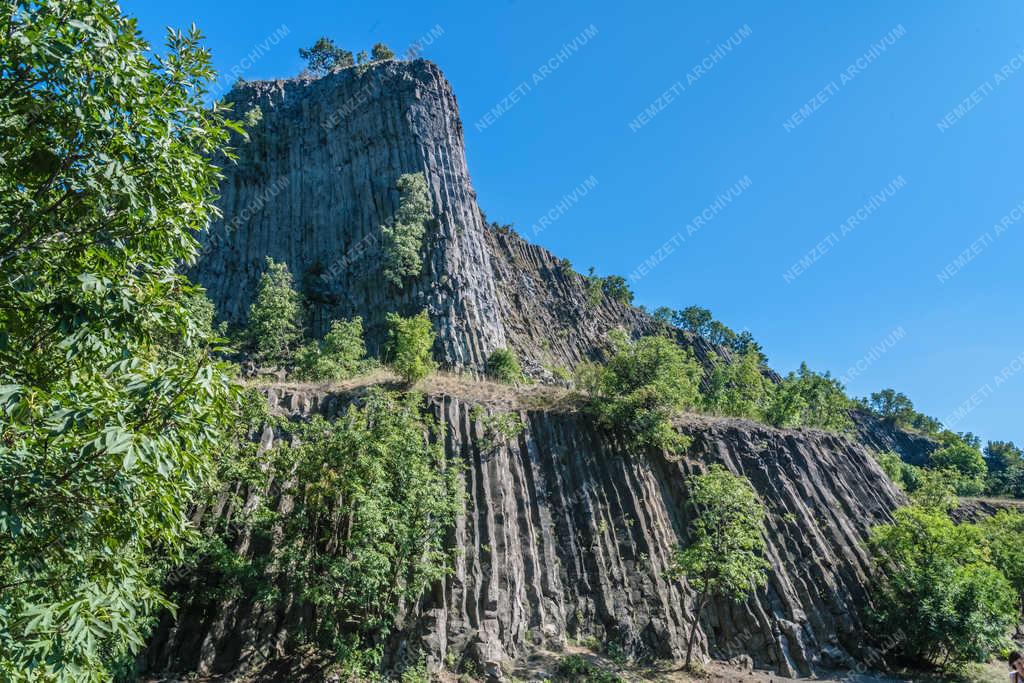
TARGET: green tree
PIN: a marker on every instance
(339, 355)
(962, 456)
(324, 57)
(643, 386)
(1003, 532)
(373, 497)
(937, 596)
(1002, 455)
(409, 347)
(806, 398)
(110, 402)
(403, 236)
(893, 406)
(274, 328)
(694, 319)
(936, 491)
(503, 366)
(739, 388)
(615, 288)
(724, 556)
(904, 475)
(382, 51)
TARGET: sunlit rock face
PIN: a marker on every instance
(566, 535)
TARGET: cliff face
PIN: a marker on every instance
(316, 181)
(881, 436)
(566, 535)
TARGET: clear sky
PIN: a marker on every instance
(793, 117)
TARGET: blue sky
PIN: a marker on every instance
(911, 124)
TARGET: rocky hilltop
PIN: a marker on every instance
(316, 180)
(565, 536)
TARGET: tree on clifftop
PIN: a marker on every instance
(725, 554)
(325, 57)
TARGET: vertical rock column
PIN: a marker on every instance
(315, 181)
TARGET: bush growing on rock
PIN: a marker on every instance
(503, 366)
(409, 347)
(381, 51)
(403, 236)
(373, 498)
(274, 328)
(725, 553)
(339, 355)
(642, 387)
(808, 399)
(939, 598)
(324, 57)
(739, 388)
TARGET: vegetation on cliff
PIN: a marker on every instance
(725, 553)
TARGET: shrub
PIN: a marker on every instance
(576, 668)
(725, 553)
(939, 599)
(739, 388)
(644, 384)
(503, 366)
(374, 499)
(325, 57)
(339, 355)
(275, 315)
(806, 398)
(409, 346)
(615, 288)
(903, 474)
(958, 455)
(403, 236)
(381, 51)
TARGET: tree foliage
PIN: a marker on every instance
(324, 57)
(810, 399)
(503, 365)
(274, 328)
(110, 404)
(373, 497)
(381, 51)
(339, 355)
(725, 553)
(403, 236)
(939, 597)
(410, 341)
(739, 388)
(702, 323)
(642, 387)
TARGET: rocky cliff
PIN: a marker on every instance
(566, 535)
(317, 178)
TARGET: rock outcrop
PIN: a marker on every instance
(881, 436)
(566, 535)
(316, 180)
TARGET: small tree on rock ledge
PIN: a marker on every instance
(725, 555)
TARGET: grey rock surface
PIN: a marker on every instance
(566, 535)
(317, 179)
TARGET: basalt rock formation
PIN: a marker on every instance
(317, 178)
(566, 535)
